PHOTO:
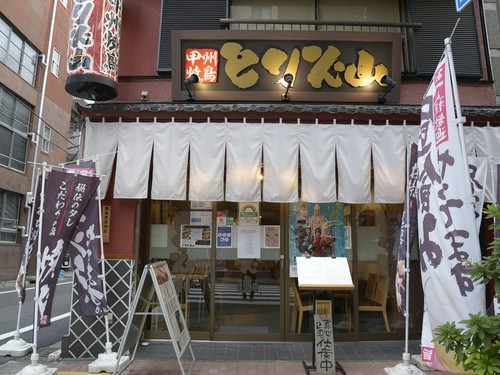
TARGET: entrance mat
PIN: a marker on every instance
(244, 329)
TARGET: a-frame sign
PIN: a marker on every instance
(156, 278)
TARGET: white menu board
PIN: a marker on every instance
(324, 273)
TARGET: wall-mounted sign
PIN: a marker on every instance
(248, 213)
(250, 65)
(204, 62)
(106, 223)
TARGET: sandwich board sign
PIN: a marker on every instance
(156, 279)
(461, 4)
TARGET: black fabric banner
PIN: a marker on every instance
(66, 198)
(84, 251)
(409, 218)
(30, 243)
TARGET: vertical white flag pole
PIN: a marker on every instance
(458, 109)
(406, 367)
(36, 368)
(107, 361)
(17, 347)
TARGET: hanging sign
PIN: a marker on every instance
(461, 4)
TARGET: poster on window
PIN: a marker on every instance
(271, 237)
(248, 242)
(224, 236)
(196, 236)
(317, 230)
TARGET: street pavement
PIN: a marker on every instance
(224, 358)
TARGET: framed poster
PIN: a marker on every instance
(316, 230)
(200, 217)
(348, 237)
(202, 205)
(271, 236)
(196, 236)
(224, 236)
(248, 242)
(249, 213)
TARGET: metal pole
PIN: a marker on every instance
(38, 263)
(456, 99)
(101, 243)
(406, 354)
(42, 92)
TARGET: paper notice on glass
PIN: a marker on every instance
(249, 241)
(324, 273)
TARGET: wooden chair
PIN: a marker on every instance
(370, 289)
(298, 309)
(182, 285)
(378, 301)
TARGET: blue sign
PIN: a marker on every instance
(461, 4)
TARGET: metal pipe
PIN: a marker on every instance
(48, 58)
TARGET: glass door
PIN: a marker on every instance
(248, 271)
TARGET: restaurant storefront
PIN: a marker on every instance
(283, 144)
(186, 192)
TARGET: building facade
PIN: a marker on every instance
(35, 111)
(290, 140)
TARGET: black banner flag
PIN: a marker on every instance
(84, 251)
(66, 198)
(409, 219)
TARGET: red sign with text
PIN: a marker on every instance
(203, 62)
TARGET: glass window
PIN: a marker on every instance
(15, 119)
(279, 10)
(4, 39)
(64, 3)
(9, 215)
(378, 233)
(188, 258)
(46, 139)
(28, 69)
(17, 54)
(56, 57)
(359, 10)
(14, 52)
(22, 117)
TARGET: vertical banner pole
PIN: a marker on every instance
(17, 347)
(39, 260)
(101, 244)
(406, 354)
(406, 368)
(36, 368)
(107, 361)
(456, 99)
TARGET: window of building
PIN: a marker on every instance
(320, 10)
(9, 215)
(17, 53)
(15, 119)
(186, 15)
(47, 132)
(56, 58)
(438, 23)
(64, 3)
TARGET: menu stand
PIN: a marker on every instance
(323, 274)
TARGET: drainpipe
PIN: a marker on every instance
(36, 138)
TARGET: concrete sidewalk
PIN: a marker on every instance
(242, 358)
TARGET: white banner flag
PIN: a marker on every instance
(446, 220)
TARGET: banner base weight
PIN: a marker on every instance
(108, 362)
(16, 347)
